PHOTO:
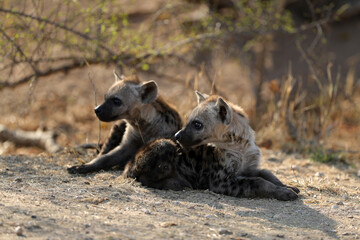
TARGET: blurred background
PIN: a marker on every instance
(293, 65)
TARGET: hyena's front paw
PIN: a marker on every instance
(78, 169)
(295, 189)
(285, 194)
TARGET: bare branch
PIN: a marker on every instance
(49, 71)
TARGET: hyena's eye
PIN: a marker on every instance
(197, 125)
(116, 101)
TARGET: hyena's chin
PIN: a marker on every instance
(192, 143)
(108, 118)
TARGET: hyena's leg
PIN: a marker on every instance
(269, 176)
(255, 187)
(119, 156)
(115, 137)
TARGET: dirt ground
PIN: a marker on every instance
(40, 200)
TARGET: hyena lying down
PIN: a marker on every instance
(146, 116)
(219, 153)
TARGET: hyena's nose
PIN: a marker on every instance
(178, 135)
(98, 109)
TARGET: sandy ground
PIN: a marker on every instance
(40, 200)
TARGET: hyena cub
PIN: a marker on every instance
(145, 117)
(219, 153)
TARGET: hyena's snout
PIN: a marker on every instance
(178, 135)
(184, 138)
(98, 110)
(104, 113)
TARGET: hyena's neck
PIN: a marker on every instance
(237, 135)
(142, 115)
(238, 145)
(157, 114)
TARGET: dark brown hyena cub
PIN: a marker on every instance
(144, 116)
(219, 154)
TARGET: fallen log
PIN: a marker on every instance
(42, 139)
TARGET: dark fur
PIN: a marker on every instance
(199, 168)
(146, 117)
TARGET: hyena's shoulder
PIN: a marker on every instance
(168, 112)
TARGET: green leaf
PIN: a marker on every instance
(145, 67)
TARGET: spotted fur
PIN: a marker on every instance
(144, 116)
(220, 154)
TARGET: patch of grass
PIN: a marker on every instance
(322, 155)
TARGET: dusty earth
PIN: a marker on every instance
(40, 200)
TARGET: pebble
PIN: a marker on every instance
(277, 216)
(346, 197)
(340, 203)
(208, 216)
(148, 212)
(18, 180)
(224, 232)
(157, 203)
(280, 235)
(358, 173)
(273, 159)
(1, 223)
(295, 168)
(319, 174)
(335, 206)
(115, 195)
(19, 231)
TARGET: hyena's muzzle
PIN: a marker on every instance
(105, 112)
(186, 137)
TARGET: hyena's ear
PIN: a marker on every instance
(223, 110)
(148, 92)
(118, 77)
(201, 96)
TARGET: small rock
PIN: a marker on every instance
(148, 212)
(168, 224)
(319, 174)
(33, 216)
(18, 180)
(19, 231)
(340, 203)
(150, 226)
(87, 225)
(115, 195)
(295, 168)
(358, 173)
(277, 216)
(87, 183)
(335, 206)
(346, 197)
(225, 232)
(243, 234)
(157, 203)
(1, 223)
(280, 235)
(273, 159)
(208, 216)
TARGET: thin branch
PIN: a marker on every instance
(84, 36)
(47, 72)
(19, 50)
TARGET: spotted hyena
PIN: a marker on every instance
(217, 152)
(144, 116)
